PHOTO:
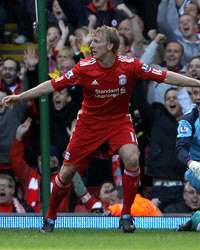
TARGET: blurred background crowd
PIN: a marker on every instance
(160, 32)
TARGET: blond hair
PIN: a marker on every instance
(112, 36)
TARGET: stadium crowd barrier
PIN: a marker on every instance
(79, 221)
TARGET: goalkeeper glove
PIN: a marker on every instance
(196, 221)
(191, 225)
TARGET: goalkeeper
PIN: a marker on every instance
(188, 150)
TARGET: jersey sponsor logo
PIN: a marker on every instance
(122, 79)
(146, 67)
(126, 59)
(109, 93)
(89, 62)
(69, 74)
(157, 72)
(59, 79)
(94, 82)
(106, 93)
(122, 90)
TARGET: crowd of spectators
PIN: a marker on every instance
(160, 32)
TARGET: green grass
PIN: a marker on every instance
(98, 239)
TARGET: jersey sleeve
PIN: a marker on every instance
(184, 129)
(144, 71)
(183, 141)
(70, 78)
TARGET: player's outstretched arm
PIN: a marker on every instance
(181, 80)
(39, 90)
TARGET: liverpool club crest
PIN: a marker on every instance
(122, 80)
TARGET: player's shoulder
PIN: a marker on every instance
(126, 59)
(87, 61)
(192, 115)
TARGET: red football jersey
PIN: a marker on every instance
(106, 91)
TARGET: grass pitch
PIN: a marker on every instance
(92, 239)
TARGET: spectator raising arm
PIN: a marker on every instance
(167, 19)
(20, 167)
(64, 33)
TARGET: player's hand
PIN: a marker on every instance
(9, 100)
(193, 224)
(23, 128)
(194, 166)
